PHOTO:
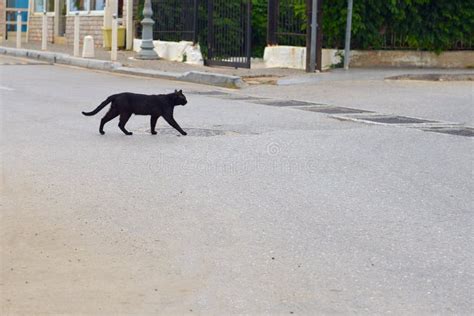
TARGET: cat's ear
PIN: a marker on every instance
(175, 91)
(181, 91)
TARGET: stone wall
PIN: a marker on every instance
(89, 25)
(36, 28)
(2, 20)
(392, 58)
(295, 57)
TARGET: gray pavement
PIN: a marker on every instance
(367, 89)
(259, 210)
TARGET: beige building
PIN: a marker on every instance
(2, 20)
(93, 15)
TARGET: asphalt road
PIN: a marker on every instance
(366, 89)
(259, 210)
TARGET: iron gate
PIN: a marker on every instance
(229, 33)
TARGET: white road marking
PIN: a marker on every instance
(6, 88)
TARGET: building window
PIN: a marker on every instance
(86, 5)
(44, 5)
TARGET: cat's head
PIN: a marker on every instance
(180, 99)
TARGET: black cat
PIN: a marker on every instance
(125, 104)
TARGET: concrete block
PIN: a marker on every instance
(295, 57)
(175, 51)
(285, 57)
(88, 47)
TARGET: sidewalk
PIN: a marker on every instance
(224, 76)
(258, 74)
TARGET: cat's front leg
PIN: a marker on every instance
(173, 123)
(153, 121)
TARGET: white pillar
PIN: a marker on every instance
(18, 29)
(44, 35)
(57, 16)
(113, 49)
(76, 35)
(129, 24)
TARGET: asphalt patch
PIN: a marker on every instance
(332, 109)
(394, 119)
(242, 97)
(282, 103)
(197, 132)
(211, 93)
(457, 131)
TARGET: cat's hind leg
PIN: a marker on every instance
(113, 113)
(124, 117)
(153, 121)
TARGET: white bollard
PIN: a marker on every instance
(113, 49)
(88, 47)
(44, 37)
(76, 35)
(18, 29)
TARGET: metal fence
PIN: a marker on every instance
(175, 20)
(397, 41)
(229, 33)
(287, 22)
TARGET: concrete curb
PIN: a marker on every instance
(148, 73)
(59, 58)
(213, 79)
(434, 77)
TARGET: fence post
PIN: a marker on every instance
(76, 34)
(18, 29)
(272, 22)
(113, 49)
(314, 28)
(210, 28)
(195, 22)
(308, 34)
(319, 35)
(347, 47)
(44, 33)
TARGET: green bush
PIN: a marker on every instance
(434, 25)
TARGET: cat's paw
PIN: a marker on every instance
(129, 133)
(101, 132)
(153, 133)
(184, 133)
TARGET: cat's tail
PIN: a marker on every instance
(100, 107)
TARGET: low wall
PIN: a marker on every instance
(36, 28)
(390, 58)
(88, 25)
(295, 57)
(183, 51)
